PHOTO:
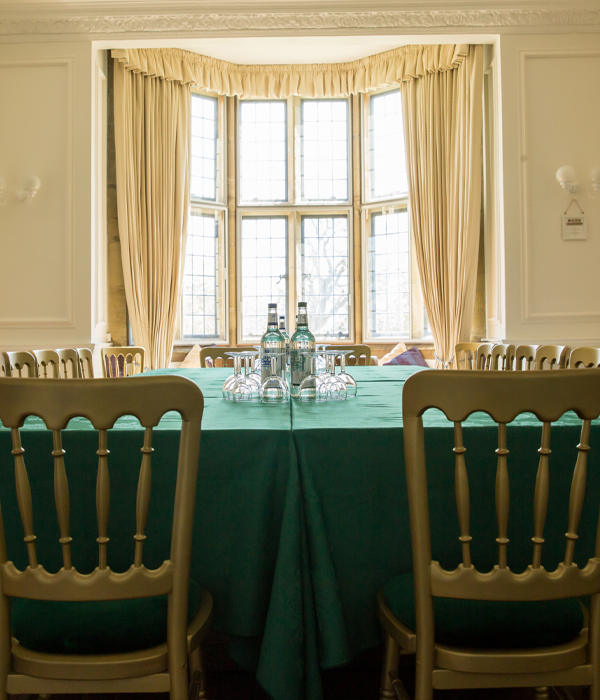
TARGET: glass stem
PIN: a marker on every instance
(237, 364)
(273, 365)
(343, 363)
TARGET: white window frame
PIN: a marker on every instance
(294, 209)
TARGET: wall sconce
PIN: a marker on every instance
(566, 177)
(31, 184)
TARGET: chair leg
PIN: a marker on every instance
(391, 658)
(197, 675)
(542, 693)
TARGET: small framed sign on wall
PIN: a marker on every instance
(574, 226)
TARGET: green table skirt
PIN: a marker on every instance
(301, 512)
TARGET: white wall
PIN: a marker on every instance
(45, 258)
(550, 106)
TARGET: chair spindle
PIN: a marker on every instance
(24, 497)
(502, 496)
(102, 497)
(143, 496)
(461, 484)
(61, 496)
(540, 499)
(577, 491)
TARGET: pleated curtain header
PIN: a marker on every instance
(304, 80)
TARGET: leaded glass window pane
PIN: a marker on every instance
(325, 275)
(388, 276)
(200, 294)
(263, 151)
(387, 155)
(264, 271)
(203, 183)
(324, 150)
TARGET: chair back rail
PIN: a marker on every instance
(86, 363)
(359, 355)
(525, 357)
(503, 396)
(21, 364)
(585, 357)
(483, 358)
(4, 365)
(554, 356)
(102, 402)
(123, 361)
(465, 355)
(218, 356)
(503, 356)
(48, 364)
(69, 363)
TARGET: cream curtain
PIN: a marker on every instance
(152, 158)
(443, 122)
(305, 80)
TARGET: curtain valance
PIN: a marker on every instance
(305, 80)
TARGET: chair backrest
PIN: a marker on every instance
(216, 357)
(525, 357)
(503, 356)
(483, 358)
(21, 364)
(4, 365)
(123, 361)
(103, 401)
(585, 357)
(465, 355)
(502, 395)
(86, 363)
(48, 364)
(552, 356)
(69, 363)
(359, 355)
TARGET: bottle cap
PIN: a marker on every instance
(302, 303)
(272, 306)
(282, 318)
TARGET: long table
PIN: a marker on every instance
(301, 512)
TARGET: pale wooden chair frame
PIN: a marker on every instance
(86, 363)
(4, 365)
(69, 363)
(527, 353)
(465, 353)
(17, 361)
(557, 356)
(160, 669)
(585, 357)
(48, 364)
(354, 358)
(503, 396)
(483, 358)
(219, 353)
(503, 356)
(130, 355)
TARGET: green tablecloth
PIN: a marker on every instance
(301, 512)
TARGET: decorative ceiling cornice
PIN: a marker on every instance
(206, 24)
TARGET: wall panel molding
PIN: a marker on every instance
(69, 319)
(565, 20)
(528, 314)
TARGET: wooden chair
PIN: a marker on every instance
(556, 356)
(447, 655)
(465, 354)
(584, 358)
(359, 355)
(217, 356)
(86, 363)
(26, 594)
(18, 361)
(525, 354)
(123, 361)
(48, 364)
(503, 356)
(483, 357)
(69, 363)
(4, 365)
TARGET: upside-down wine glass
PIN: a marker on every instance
(312, 387)
(336, 387)
(348, 379)
(250, 372)
(233, 378)
(274, 389)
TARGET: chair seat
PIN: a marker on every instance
(94, 627)
(482, 624)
